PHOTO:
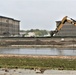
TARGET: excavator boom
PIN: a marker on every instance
(65, 19)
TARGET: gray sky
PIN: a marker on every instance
(38, 14)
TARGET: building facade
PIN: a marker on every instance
(67, 30)
(9, 26)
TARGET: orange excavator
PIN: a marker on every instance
(65, 19)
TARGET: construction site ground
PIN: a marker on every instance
(37, 42)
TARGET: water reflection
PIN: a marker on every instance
(39, 51)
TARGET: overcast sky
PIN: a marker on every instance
(38, 14)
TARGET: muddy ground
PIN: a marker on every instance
(37, 56)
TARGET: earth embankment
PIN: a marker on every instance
(39, 42)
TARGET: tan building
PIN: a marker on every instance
(67, 30)
(9, 26)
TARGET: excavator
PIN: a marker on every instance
(65, 19)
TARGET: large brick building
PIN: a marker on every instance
(9, 26)
(67, 30)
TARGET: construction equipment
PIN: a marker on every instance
(65, 19)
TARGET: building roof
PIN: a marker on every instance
(9, 18)
(58, 21)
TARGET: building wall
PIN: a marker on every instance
(67, 30)
(9, 26)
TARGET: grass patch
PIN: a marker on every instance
(45, 63)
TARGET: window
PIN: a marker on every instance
(7, 20)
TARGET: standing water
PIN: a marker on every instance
(39, 51)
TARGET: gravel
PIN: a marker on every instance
(4, 71)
